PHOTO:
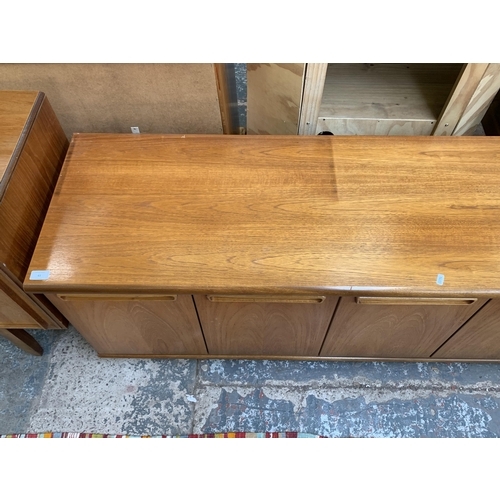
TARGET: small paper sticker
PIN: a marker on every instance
(440, 279)
(39, 275)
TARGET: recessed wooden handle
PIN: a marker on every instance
(115, 296)
(415, 301)
(267, 298)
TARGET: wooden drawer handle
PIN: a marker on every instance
(288, 299)
(414, 301)
(116, 296)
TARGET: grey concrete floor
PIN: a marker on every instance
(71, 389)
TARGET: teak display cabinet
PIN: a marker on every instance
(277, 246)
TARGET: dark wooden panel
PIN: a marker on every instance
(32, 149)
(29, 192)
(393, 330)
(260, 328)
(478, 339)
(140, 327)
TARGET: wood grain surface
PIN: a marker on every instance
(32, 150)
(478, 339)
(274, 214)
(140, 327)
(399, 331)
(260, 328)
(17, 110)
(29, 191)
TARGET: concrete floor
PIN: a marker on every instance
(70, 389)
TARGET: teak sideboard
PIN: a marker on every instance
(310, 247)
(32, 150)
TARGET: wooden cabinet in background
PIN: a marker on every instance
(32, 151)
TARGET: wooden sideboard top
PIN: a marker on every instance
(17, 112)
(274, 214)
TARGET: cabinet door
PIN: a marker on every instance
(385, 327)
(478, 339)
(264, 325)
(121, 325)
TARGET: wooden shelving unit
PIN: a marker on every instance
(385, 99)
(370, 99)
(396, 99)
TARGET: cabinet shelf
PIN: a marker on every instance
(388, 99)
(387, 91)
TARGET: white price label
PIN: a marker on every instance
(39, 275)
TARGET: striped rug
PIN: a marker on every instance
(220, 435)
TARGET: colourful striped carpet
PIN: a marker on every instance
(221, 435)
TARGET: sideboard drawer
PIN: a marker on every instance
(246, 325)
(395, 327)
(119, 325)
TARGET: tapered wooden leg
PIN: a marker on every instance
(23, 340)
